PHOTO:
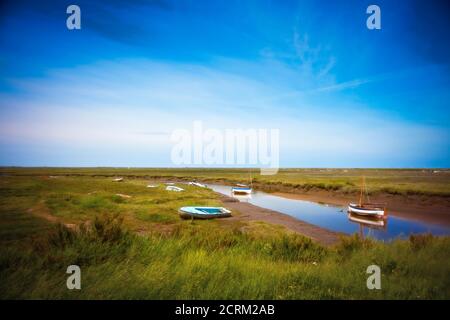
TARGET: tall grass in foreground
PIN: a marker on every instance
(218, 263)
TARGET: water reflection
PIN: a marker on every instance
(242, 197)
(367, 223)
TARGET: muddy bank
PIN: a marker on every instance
(250, 212)
(430, 209)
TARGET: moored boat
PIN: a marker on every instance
(364, 208)
(203, 212)
(241, 190)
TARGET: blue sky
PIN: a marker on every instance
(111, 93)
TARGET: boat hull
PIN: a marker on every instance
(240, 190)
(366, 210)
(203, 212)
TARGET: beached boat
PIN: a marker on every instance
(174, 188)
(203, 212)
(118, 180)
(366, 208)
(123, 195)
(152, 186)
(198, 184)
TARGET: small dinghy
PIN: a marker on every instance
(152, 186)
(174, 188)
(197, 184)
(203, 212)
(118, 180)
(366, 208)
(242, 190)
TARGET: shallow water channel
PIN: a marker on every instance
(336, 218)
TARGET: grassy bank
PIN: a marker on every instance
(428, 182)
(137, 247)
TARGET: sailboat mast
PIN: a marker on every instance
(361, 192)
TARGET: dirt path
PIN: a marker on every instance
(41, 211)
(251, 212)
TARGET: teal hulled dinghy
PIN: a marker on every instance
(204, 212)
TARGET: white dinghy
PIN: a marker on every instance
(174, 188)
(243, 189)
(197, 184)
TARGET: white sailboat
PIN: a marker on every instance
(243, 189)
(366, 208)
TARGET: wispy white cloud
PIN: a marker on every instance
(342, 86)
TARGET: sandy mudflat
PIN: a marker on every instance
(431, 209)
(251, 212)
